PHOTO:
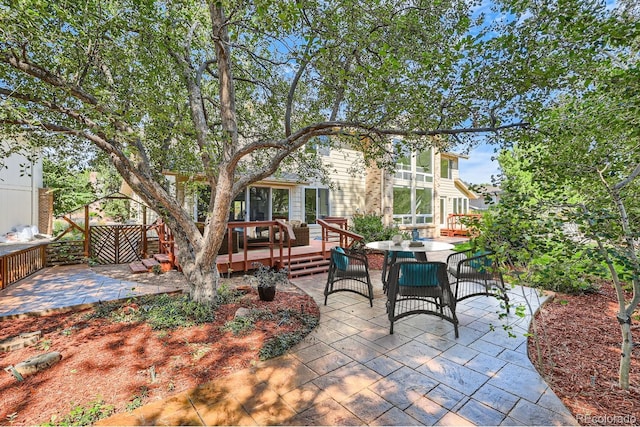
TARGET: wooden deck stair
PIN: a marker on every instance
(306, 266)
(146, 265)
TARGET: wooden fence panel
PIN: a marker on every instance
(17, 265)
(116, 244)
(65, 252)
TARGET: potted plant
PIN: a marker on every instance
(267, 279)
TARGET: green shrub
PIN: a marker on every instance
(370, 226)
(279, 344)
(227, 295)
(240, 325)
(170, 312)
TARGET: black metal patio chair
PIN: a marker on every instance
(420, 287)
(390, 258)
(348, 272)
(476, 273)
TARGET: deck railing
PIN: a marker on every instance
(456, 225)
(278, 226)
(282, 244)
(17, 265)
(335, 230)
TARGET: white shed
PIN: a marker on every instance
(20, 181)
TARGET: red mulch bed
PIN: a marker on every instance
(580, 344)
(375, 261)
(114, 361)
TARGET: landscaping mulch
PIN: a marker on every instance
(126, 365)
(579, 341)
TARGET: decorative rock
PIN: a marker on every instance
(242, 312)
(17, 342)
(38, 363)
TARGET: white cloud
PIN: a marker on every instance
(479, 167)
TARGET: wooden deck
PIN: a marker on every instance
(243, 260)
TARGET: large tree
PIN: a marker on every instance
(232, 90)
(581, 167)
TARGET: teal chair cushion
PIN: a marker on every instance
(340, 259)
(418, 275)
(481, 264)
(401, 254)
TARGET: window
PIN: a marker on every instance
(239, 207)
(460, 205)
(403, 168)
(316, 204)
(402, 205)
(263, 204)
(424, 161)
(443, 210)
(258, 203)
(412, 206)
(424, 205)
(320, 145)
(279, 203)
(412, 192)
(446, 167)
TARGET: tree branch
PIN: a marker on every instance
(46, 76)
(292, 91)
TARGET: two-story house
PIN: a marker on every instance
(423, 191)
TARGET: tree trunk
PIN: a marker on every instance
(203, 282)
(627, 347)
(199, 265)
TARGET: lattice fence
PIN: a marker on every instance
(116, 244)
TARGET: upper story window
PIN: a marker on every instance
(418, 167)
(320, 145)
(412, 190)
(446, 168)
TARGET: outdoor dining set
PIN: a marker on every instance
(413, 284)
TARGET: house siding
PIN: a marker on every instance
(349, 195)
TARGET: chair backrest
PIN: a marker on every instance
(481, 261)
(419, 274)
(339, 258)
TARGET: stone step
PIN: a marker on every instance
(17, 342)
(161, 258)
(150, 263)
(137, 267)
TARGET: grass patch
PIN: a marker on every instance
(162, 311)
(279, 344)
(84, 415)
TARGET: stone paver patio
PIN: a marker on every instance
(60, 287)
(349, 371)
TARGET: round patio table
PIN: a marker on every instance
(418, 248)
(422, 246)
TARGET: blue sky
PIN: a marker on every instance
(479, 167)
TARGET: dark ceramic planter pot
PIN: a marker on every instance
(267, 294)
